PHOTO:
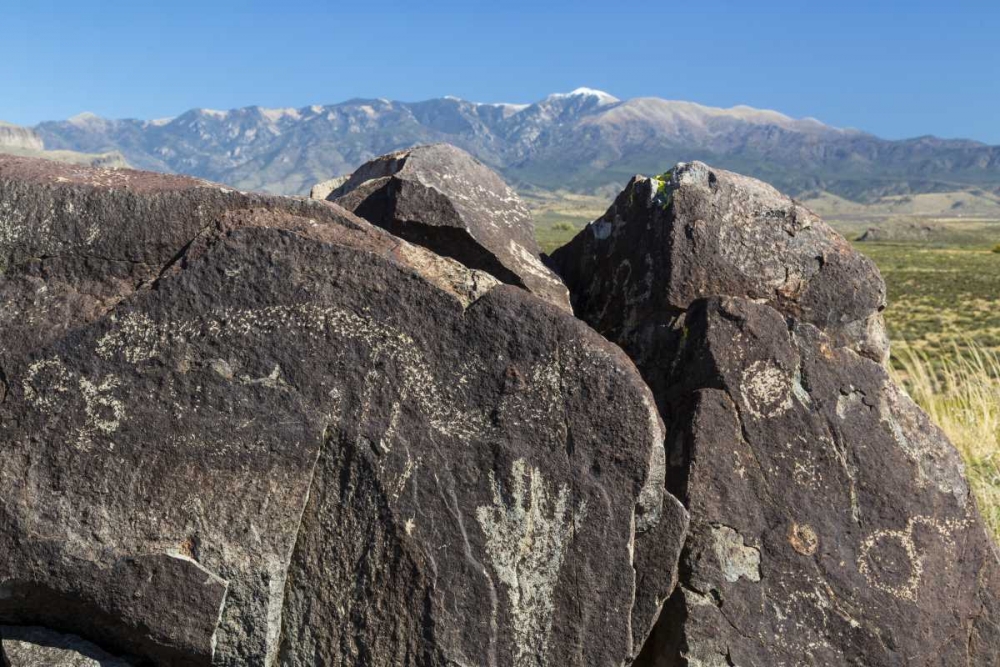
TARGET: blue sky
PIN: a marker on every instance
(894, 68)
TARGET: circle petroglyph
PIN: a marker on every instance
(803, 539)
(766, 389)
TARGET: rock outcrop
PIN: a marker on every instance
(830, 520)
(248, 430)
(442, 198)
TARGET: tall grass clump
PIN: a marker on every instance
(961, 393)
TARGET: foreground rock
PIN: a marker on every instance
(444, 199)
(244, 430)
(830, 521)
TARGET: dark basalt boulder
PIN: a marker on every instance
(831, 523)
(695, 232)
(249, 430)
(442, 198)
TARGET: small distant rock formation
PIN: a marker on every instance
(241, 429)
(26, 645)
(15, 136)
(251, 430)
(831, 523)
(23, 141)
(442, 198)
(324, 189)
(908, 231)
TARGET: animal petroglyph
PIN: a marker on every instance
(137, 339)
(526, 539)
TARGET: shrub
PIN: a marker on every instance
(996, 248)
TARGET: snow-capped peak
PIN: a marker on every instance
(85, 118)
(602, 97)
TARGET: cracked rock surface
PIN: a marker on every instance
(831, 523)
(441, 197)
(250, 430)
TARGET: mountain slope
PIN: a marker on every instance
(584, 141)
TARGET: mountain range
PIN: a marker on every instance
(586, 141)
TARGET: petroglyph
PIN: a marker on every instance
(803, 538)
(105, 412)
(45, 381)
(137, 339)
(526, 540)
(49, 386)
(766, 390)
(891, 561)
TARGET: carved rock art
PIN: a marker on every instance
(247, 430)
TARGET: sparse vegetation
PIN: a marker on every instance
(961, 393)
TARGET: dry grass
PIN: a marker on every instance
(961, 393)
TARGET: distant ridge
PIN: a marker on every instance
(17, 140)
(586, 141)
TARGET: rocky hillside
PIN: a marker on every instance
(585, 141)
(242, 429)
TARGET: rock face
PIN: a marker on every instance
(830, 521)
(247, 430)
(442, 198)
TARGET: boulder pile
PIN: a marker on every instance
(240, 429)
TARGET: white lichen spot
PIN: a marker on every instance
(526, 540)
(736, 559)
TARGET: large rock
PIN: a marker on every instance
(830, 520)
(694, 232)
(245, 430)
(444, 199)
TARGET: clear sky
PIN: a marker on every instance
(894, 68)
